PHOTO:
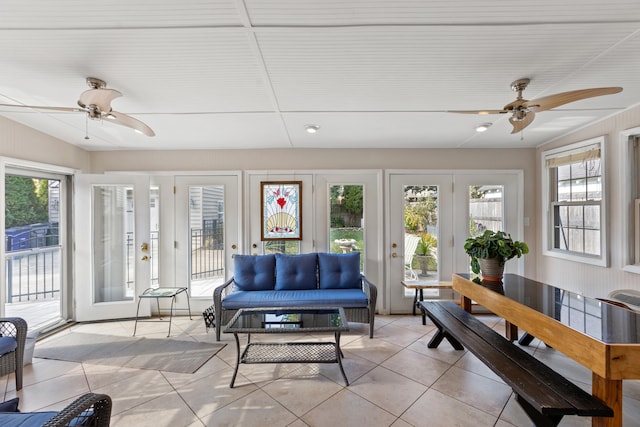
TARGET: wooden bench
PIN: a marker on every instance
(545, 395)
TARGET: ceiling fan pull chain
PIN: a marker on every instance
(86, 126)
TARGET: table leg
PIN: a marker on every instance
(173, 299)
(235, 371)
(511, 331)
(188, 304)
(135, 326)
(424, 317)
(465, 303)
(339, 357)
(415, 303)
(610, 392)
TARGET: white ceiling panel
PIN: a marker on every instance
(213, 74)
(118, 14)
(424, 69)
(436, 12)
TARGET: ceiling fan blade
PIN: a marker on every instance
(38, 107)
(479, 111)
(552, 101)
(518, 125)
(125, 120)
(99, 97)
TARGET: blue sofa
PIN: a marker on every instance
(304, 280)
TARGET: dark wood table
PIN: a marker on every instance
(603, 337)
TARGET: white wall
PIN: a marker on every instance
(589, 279)
(20, 142)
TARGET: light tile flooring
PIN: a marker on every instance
(395, 381)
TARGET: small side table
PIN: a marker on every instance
(158, 293)
(419, 288)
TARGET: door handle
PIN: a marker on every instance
(144, 258)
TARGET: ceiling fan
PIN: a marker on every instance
(523, 112)
(96, 102)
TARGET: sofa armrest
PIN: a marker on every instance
(92, 407)
(220, 292)
(15, 327)
(218, 295)
(371, 291)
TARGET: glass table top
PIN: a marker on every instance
(288, 320)
(592, 316)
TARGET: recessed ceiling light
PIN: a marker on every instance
(312, 128)
(483, 127)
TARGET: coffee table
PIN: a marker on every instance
(307, 320)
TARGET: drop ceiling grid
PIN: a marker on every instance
(117, 13)
(624, 53)
(197, 69)
(336, 69)
(368, 12)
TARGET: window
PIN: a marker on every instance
(575, 187)
(630, 189)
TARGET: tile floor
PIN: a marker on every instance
(395, 381)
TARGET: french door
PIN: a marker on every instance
(207, 234)
(112, 254)
(420, 205)
(439, 212)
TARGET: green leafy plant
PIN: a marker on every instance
(425, 245)
(493, 244)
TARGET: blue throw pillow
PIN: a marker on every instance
(339, 271)
(294, 272)
(254, 272)
(10, 405)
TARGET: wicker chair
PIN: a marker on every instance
(12, 361)
(88, 410)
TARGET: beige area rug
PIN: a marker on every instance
(132, 352)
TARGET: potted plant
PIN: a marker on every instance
(424, 251)
(490, 250)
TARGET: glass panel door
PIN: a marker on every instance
(34, 249)
(346, 219)
(207, 237)
(420, 231)
(112, 254)
(486, 202)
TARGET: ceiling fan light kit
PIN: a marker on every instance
(483, 127)
(523, 111)
(96, 103)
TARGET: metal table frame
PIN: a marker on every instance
(158, 293)
(288, 352)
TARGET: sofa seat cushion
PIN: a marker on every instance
(294, 272)
(339, 271)
(254, 272)
(347, 298)
(25, 419)
(7, 344)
